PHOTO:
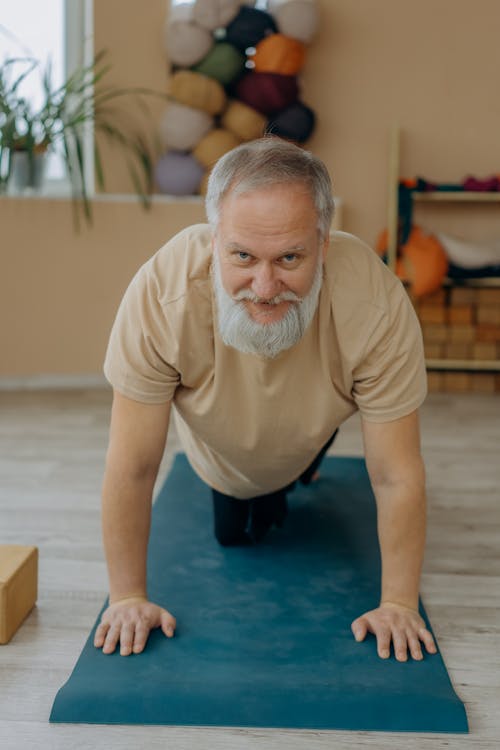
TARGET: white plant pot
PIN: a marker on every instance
(27, 173)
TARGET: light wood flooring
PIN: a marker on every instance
(52, 447)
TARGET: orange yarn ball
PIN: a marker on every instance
(280, 54)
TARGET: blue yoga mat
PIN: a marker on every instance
(263, 632)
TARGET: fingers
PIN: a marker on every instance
(168, 623)
(141, 636)
(126, 638)
(129, 624)
(100, 634)
(111, 640)
(415, 647)
(405, 630)
(428, 640)
(399, 640)
(383, 642)
(359, 629)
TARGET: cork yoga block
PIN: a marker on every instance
(489, 315)
(457, 351)
(463, 296)
(457, 382)
(461, 334)
(432, 314)
(485, 350)
(483, 383)
(18, 586)
(434, 350)
(488, 297)
(460, 314)
(435, 382)
(435, 332)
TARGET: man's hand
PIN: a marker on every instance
(129, 621)
(399, 624)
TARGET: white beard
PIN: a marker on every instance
(239, 330)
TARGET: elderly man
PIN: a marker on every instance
(262, 334)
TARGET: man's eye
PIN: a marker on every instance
(243, 256)
(289, 257)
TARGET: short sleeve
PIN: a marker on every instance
(390, 380)
(142, 348)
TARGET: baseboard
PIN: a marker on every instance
(52, 382)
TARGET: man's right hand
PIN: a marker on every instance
(129, 622)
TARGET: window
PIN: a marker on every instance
(55, 30)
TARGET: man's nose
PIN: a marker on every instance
(265, 284)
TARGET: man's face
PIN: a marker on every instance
(268, 246)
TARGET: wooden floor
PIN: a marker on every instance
(52, 448)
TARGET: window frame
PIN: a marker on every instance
(78, 49)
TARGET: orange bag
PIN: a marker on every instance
(423, 263)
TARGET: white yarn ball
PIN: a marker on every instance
(182, 127)
(298, 19)
(186, 42)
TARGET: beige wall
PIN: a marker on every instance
(60, 291)
(431, 66)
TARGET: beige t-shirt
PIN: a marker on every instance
(251, 425)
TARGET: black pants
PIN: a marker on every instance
(238, 522)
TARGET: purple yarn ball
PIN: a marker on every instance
(178, 174)
(268, 92)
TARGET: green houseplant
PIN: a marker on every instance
(82, 101)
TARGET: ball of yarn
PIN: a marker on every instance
(178, 174)
(187, 43)
(249, 27)
(183, 127)
(180, 12)
(213, 14)
(423, 263)
(224, 63)
(279, 54)
(246, 123)
(296, 123)
(197, 90)
(214, 145)
(298, 19)
(268, 92)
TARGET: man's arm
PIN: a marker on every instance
(137, 439)
(397, 475)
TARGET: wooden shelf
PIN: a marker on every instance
(480, 365)
(439, 197)
(442, 196)
(483, 281)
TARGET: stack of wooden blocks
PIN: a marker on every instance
(462, 323)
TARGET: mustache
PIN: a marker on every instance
(247, 294)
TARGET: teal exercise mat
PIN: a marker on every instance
(263, 632)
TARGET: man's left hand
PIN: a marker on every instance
(398, 624)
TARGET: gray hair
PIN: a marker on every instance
(269, 161)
